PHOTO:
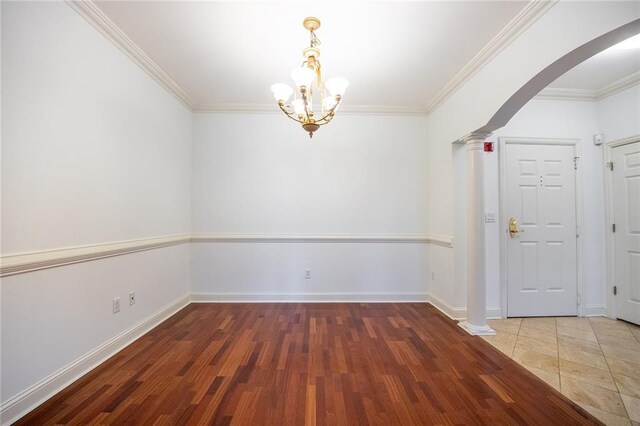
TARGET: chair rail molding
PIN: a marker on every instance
(321, 238)
(18, 263)
(11, 264)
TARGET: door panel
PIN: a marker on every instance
(542, 256)
(626, 187)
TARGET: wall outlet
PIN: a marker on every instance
(132, 297)
(116, 305)
(307, 274)
(433, 275)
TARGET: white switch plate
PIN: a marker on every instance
(490, 217)
(307, 274)
(116, 305)
(132, 298)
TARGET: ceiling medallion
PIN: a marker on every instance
(301, 108)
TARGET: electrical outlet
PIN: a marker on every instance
(116, 305)
(307, 274)
(132, 297)
(433, 275)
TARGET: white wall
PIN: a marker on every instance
(260, 174)
(563, 120)
(619, 114)
(93, 151)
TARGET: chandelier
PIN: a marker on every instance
(308, 82)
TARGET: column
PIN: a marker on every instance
(476, 322)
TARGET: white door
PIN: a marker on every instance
(542, 255)
(626, 189)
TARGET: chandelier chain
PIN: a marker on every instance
(314, 40)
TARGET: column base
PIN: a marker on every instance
(477, 330)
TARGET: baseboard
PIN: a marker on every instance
(594, 311)
(445, 308)
(26, 401)
(307, 297)
(459, 313)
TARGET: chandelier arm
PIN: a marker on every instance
(331, 113)
(326, 121)
(290, 115)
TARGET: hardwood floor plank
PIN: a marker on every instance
(312, 364)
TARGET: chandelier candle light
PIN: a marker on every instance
(301, 108)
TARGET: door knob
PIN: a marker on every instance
(513, 227)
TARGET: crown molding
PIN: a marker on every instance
(559, 94)
(96, 17)
(619, 85)
(523, 20)
(344, 109)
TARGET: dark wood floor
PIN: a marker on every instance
(295, 364)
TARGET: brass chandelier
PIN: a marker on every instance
(301, 109)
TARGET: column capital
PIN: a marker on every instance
(475, 137)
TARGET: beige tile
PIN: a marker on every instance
(596, 376)
(585, 393)
(587, 335)
(605, 417)
(627, 385)
(618, 330)
(621, 342)
(549, 347)
(508, 325)
(504, 342)
(544, 324)
(571, 353)
(633, 407)
(548, 377)
(574, 323)
(534, 333)
(539, 360)
(624, 368)
(582, 345)
(606, 321)
(628, 341)
(612, 351)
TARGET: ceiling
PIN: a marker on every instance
(601, 70)
(393, 53)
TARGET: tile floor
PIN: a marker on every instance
(593, 361)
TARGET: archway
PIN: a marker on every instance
(475, 238)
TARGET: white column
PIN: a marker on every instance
(476, 322)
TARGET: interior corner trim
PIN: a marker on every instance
(18, 263)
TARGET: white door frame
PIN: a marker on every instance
(610, 254)
(503, 141)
